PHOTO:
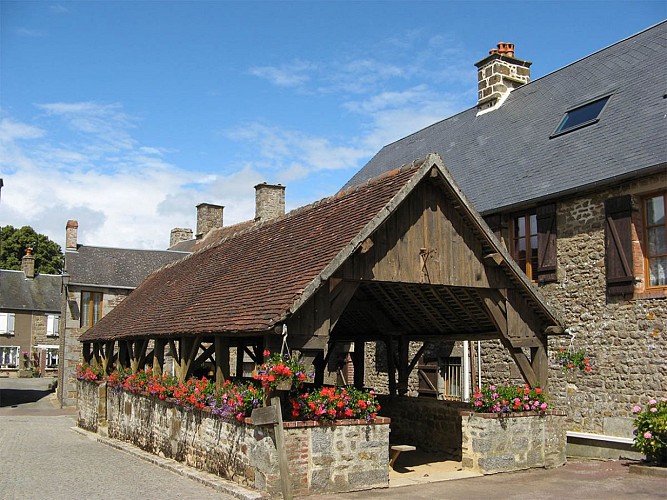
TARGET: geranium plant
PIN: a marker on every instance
(280, 368)
(335, 403)
(651, 430)
(508, 398)
(570, 360)
(84, 371)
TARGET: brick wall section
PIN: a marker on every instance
(350, 455)
(519, 441)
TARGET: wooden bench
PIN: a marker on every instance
(396, 450)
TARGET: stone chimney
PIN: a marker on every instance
(498, 74)
(71, 231)
(269, 201)
(209, 217)
(28, 264)
(179, 234)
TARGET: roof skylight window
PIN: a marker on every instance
(581, 116)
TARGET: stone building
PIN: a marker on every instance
(29, 321)
(96, 279)
(570, 171)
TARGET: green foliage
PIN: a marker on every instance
(48, 255)
(651, 430)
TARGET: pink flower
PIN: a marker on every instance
(648, 435)
(492, 387)
(543, 406)
(653, 409)
(652, 402)
(636, 409)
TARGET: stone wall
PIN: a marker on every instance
(493, 443)
(71, 350)
(91, 405)
(350, 455)
(429, 424)
(625, 337)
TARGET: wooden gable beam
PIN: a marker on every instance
(495, 304)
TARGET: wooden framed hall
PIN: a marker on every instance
(402, 259)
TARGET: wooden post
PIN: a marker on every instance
(540, 363)
(391, 366)
(285, 482)
(359, 362)
(403, 362)
(221, 360)
(87, 354)
(239, 361)
(473, 366)
(158, 356)
(319, 365)
(123, 357)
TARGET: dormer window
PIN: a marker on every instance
(581, 116)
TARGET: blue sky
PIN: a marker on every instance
(126, 115)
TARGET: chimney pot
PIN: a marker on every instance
(269, 201)
(28, 264)
(209, 217)
(71, 231)
(179, 234)
(498, 74)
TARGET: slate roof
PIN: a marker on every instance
(250, 282)
(115, 267)
(41, 294)
(506, 157)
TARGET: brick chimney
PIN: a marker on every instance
(179, 234)
(269, 201)
(498, 74)
(71, 231)
(209, 217)
(28, 264)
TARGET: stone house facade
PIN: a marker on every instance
(570, 172)
(29, 321)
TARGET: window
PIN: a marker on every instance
(51, 354)
(9, 356)
(91, 308)
(7, 323)
(533, 243)
(453, 378)
(581, 116)
(52, 325)
(655, 231)
(524, 243)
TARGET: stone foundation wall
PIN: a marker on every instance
(429, 424)
(92, 399)
(350, 455)
(512, 442)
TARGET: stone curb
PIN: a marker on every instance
(205, 478)
(649, 470)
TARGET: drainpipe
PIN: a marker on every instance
(479, 363)
(466, 370)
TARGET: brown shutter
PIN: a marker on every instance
(495, 224)
(546, 244)
(618, 245)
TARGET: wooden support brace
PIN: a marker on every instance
(158, 356)
(221, 360)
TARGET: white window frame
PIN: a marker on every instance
(52, 325)
(7, 323)
(49, 354)
(5, 359)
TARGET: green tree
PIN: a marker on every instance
(48, 255)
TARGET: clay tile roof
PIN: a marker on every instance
(248, 281)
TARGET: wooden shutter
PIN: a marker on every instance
(618, 245)
(546, 244)
(495, 224)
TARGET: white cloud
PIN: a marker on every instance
(293, 74)
(123, 194)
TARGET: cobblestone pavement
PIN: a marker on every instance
(42, 456)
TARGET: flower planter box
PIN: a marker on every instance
(512, 441)
(344, 456)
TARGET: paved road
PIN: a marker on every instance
(43, 457)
